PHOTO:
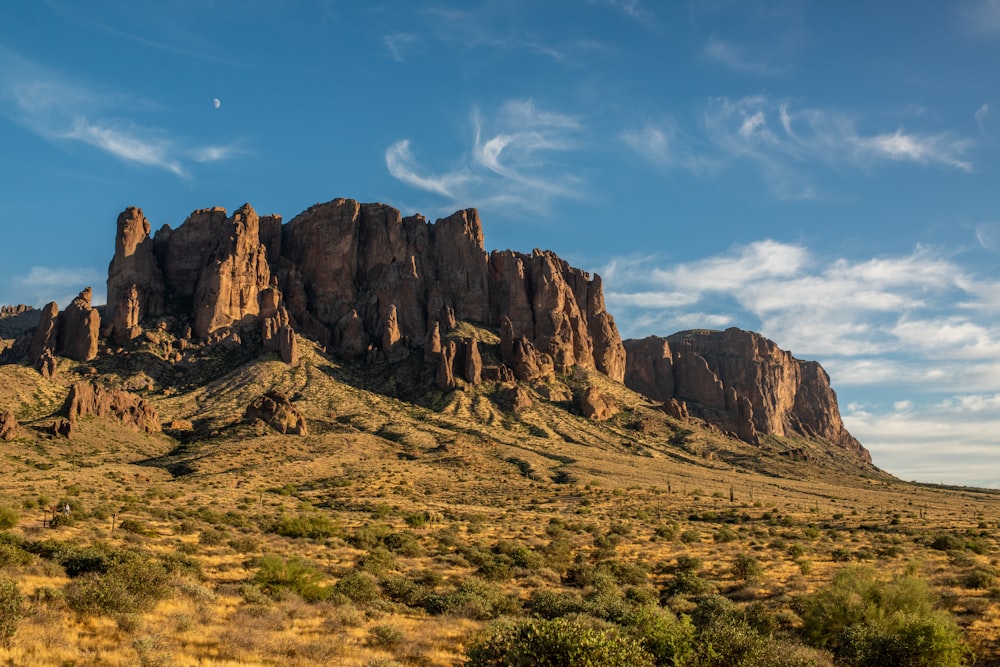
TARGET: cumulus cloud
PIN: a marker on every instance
(513, 158)
(62, 110)
(834, 308)
(790, 146)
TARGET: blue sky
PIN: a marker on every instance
(825, 173)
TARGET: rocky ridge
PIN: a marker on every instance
(740, 382)
(373, 286)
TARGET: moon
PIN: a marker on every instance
(217, 102)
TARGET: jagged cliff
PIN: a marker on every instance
(370, 284)
(742, 383)
(361, 279)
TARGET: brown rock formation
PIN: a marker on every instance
(47, 364)
(275, 410)
(8, 426)
(597, 406)
(135, 283)
(362, 279)
(446, 366)
(44, 337)
(742, 383)
(515, 399)
(78, 329)
(90, 399)
(472, 365)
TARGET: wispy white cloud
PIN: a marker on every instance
(397, 42)
(511, 159)
(43, 284)
(62, 110)
(737, 58)
(401, 164)
(789, 146)
(837, 308)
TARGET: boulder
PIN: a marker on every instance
(277, 411)
(8, 426)
(596, 406)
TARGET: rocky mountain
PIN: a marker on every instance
(740, 382)
(375, 287)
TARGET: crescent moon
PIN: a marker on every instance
(217, 102)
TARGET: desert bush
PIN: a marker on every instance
(211, 537)
(728, 635)
(377, 561)
(555, 643)
(519, 554)
(726, 534)
(868, 621)
(549, 604)
(276, 575)
(404, 544)
(947, 542)
(384, 635)
(475, 599)
(686, 583)
(358, 587)
(11, 609)
(11, 551)
(669, 639)
(747, 568)
(690, 536)
(979, 579)
(136, 527)
(8, 517)
(312, 526)
(132, 583)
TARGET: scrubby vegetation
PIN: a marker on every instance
(432, 547)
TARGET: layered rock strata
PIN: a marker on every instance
(742, 383)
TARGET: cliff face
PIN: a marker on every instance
(741, 382)
(361, 279)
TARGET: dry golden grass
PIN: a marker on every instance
(457, 475)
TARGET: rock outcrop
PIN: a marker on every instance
(134, 412)
(74, 333)
(275, 410)
(8, 425)
(740, 382)
(78, 329)
(597, 406)
(135, 283)
(361, 279)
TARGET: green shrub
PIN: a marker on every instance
(404, 544)
(132, 583)
(275, 575)
(312, 526)
(8, 517)
(550, 604)
(690, 536)
(747, 568)
(11, 609)
(358, 587)
(475, 599)
(869, 621)
(687, 583)
(669, 639)
(384, 636)
(555, 643)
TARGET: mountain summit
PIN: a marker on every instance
(374, 287)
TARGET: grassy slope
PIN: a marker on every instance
(459, 474)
